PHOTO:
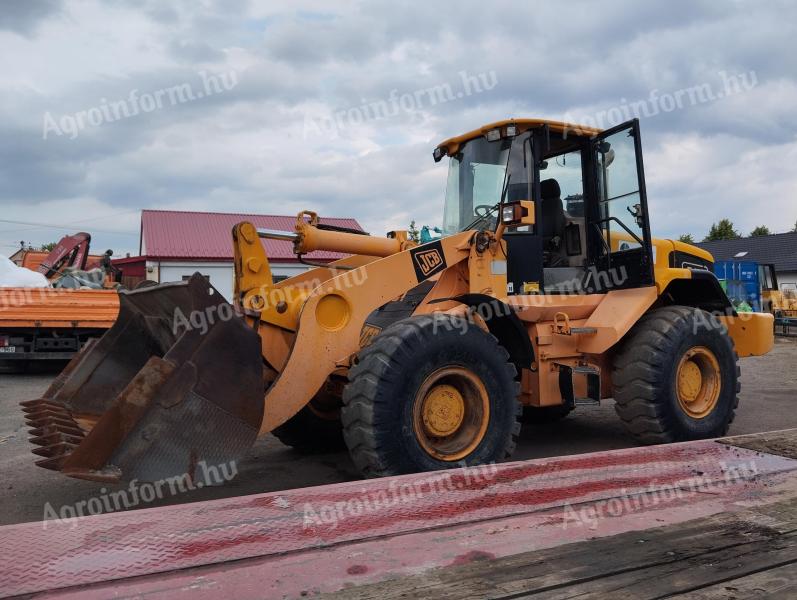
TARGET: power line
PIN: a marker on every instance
(74, 223)
(62, 226)
(124, 212)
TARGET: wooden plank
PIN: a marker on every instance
(780, 582)
(783, 443)
(688, 574)
(668, 560)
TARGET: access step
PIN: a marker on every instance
(567, 387)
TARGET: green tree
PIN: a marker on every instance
(722, 231)
(686, 238)
(760, 230)
(413, 232)
(48, 247)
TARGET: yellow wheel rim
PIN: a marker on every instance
(451, 411)
(443, 410)
(698, 382)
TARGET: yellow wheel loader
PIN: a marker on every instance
(546, 293)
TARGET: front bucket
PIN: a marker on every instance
(174, 388)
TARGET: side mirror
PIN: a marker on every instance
(606, 150)
(636, 212)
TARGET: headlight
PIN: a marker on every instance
(518, 213)
(493, 135)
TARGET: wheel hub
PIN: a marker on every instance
(689, 381)
(698, 382)
(451, 412)
(443, 410)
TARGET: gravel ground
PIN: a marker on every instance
(769, 393)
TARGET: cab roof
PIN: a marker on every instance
(451, 145)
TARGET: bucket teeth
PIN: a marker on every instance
(53, 430)
(49, 428)
(59, 449)
(28, 403)
(50, 419)
(44, 413)
(32, 406)
(54, 463)
(54, 438)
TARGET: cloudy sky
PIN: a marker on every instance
(235, 106)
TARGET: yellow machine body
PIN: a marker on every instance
(322, 313)
(157, 395)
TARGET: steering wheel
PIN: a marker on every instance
(485, 208)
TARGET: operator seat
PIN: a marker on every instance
(553, 212)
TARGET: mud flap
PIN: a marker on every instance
(173, 389)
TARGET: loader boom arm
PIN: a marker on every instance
(328, 318)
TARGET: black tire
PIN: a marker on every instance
(645, 369)
(533, 415)
(309, 433)
(377, 414)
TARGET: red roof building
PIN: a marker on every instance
(171, 234)
(176, 244)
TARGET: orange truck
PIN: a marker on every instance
(55, 322)
(51, 323)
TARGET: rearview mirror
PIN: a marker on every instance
(636, 212)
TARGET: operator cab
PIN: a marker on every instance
(590, 231)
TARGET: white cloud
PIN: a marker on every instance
(694, 181)
(246, 149)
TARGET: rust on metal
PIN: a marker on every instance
(154, 396)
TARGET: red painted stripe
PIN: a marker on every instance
(270, 529)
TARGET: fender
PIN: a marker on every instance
(701, 290)
(504, 324)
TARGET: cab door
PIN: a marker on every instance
(619, 225)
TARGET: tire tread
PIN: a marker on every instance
(637, 376)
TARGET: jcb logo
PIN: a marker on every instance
(428, 260)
